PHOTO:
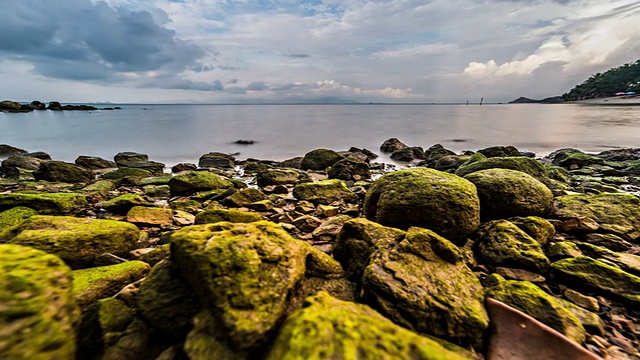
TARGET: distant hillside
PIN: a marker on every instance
(621, 79)
(549, 100)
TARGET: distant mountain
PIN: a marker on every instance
(625, 78)
(549, 100)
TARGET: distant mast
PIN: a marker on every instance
(481, 100)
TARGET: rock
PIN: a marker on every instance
(94, 162)
(357, 240)
(519, 163)
(573, 159)
(620, 154)
(244, 198)
(38, 315)
(505, 193)
(434, 153)
(306, 223)
(37, 105)
(617, 214)
(59, 171)
(192, 182)
(448, 163)
(77, 241)
(150, 216)
(123, 203)
(586, 273)
(155, 180)
(99, 190)
(39, 155)
(182, 167)
(58, 203)
(156, 255)
(350, 168)
(444, 203)
(277, 177)
(243, 278)
(408, 154)
(21, 162)
(584, 301)
(627, 262)
(90, 285)
(127, 173)
(391, 145)
(499, 151)
(8, 150)
(230, 215)
(138, 161)
(54, 105)
(166, 301)
(262, 205)
(342, 329)
(320, 159)
(563, 250)
(610, 241)
(520, 275)
(423, 283)
(157, 191)
(501, 243)
(293, 163)
(541, 230)
(10, 106)
(245, 142)
(368, 153)
(531, 300)
(103, 321)
(591, 322)
(324, 192)
(13, 218)
(134, 343)
(216, 160)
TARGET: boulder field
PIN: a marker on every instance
(325, 256)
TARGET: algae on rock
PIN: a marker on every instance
(54, 204)
(12, 218)
(231, 215)
(324, 192)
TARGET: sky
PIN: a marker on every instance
(236, 51)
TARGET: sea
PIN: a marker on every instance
(173, 134)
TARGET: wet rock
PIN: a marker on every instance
(505, 193)
(324, 192)
(183, 167)
(10, 106)
(245, 142)
(584, 301)
(448, 163)
(620, 154)
(99, 190)
(195, 181)
(591, 322)
(610, 241)
(58, 203)
(574, 159)
(350, 168)
(77, 241)
(138, 161)
(21, 162)
(563, 250)
(58, 171)
(38, 313)
(39, 155)
(391, 145)
(231, 215)
(8, 150)
(500, 151)
(132, 174)
(94, 162)
(444, 203)
(346, 328)
(216, 160)
(520, 275)
(627, 262)
(408, 154)
(294, 163)
(320, 159)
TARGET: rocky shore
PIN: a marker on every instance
(325, 256)
(16, 107)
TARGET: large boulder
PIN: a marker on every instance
(499, 151)
(519, 163)
(12, 218)
(324, 192)
(501, 243)
(442, 202)
(192, 182)
(77, 241)
(216, 160)
(56, 203)
(59, 171)
(38, 315)
(244, 279)
(505, 193)
(617, 214)
(8, 150)
(346, 330)
(391, 145)
(573, 159)
(350, 168)
(320, 159)
(138, 161)
(21, 162)
(424, 284)
(94, 163)
(543, 307)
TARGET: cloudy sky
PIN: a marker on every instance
(282, 50)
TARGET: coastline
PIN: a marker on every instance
(613, 100)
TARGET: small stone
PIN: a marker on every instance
(183, 218)
(262, 206)
(307, 223)
(147, 216)
(521, 275)
(581, 300)
(328, 210)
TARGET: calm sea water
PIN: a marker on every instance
(182, 133)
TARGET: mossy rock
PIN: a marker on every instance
(563, 250)
(38, 315)
(155, 180)
(431, 199)
(244, 278)
(90, 285)
(190, 206)
(324, 192)
(157, 191)
(617, 214)
(103, 321)
(327, 328)
(357, 240)
(610, 241)
(499, 151)
(519, 163)
(150, 216)
(277, 177)
(244, 198)
(541, 306)
(590, 274)
(166, 301)
(505, 193)
(541, 230)
(627, 262)
(350, 168)
(195, 181)
(100, 188)
(423, 284)
(501, 243)
(230, 215)
(156, 255)
(77, 241)
(320, 159)
(132, 173)
(123, 203)
(59, 171)
(54, 204)
(12, 218)
(574, 159)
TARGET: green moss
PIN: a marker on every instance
(38, 314)
(77, 241)
(92, 284)
(322, 265)
(150, 216)
(585, 272)
(320, 159)
(122, 173)
(444, 203)
(244, 197)
(328, 328)
(190, 206)
(538, 228)
(563, 250)
(519, 163)
(58, 203)
(277, 177)
(324, 192)
(230, 215)
(505, 193)
(99, 188)
(102, 320)
(543, 307)
(192, 182)
(156, 180)
(12, 218)
(124, 203)
(156, 255)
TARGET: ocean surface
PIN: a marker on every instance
(182, 133)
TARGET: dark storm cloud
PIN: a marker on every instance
(83, 40)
